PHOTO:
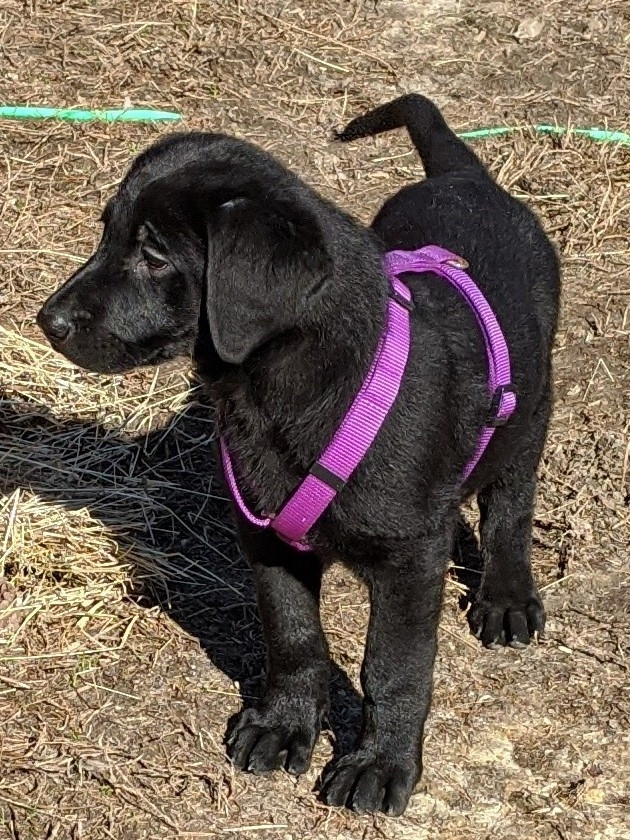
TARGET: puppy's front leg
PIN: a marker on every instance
(282, 731)
(406, 584)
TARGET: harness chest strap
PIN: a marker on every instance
(366, 415)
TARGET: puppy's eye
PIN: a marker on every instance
(153, 261)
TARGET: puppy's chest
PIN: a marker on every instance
(269, 458)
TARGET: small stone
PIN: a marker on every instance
(529, 29)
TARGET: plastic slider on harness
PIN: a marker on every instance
(407, 304)
(328, 477)
(365, 417)
(500, 412)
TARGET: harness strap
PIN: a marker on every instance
(452, 268)
(358, 428)
(352, 439)
(370, 407)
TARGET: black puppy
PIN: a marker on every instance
(212, 248)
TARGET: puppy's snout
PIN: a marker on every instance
(58, 323)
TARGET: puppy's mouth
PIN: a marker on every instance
(112, 354)
(175, 348)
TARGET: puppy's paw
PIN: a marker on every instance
(500, 621)
(264, 740)
(367, 782)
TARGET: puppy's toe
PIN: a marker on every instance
(504, 621)
(368, 782)
(267, 753)
(260, 742)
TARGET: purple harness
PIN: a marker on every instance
(370, 407)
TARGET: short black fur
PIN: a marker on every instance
(211, 247)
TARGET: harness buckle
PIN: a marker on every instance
(458, 262)
(494, 418)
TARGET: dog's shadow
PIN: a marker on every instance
(166, 480)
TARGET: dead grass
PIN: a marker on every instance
(128, 631)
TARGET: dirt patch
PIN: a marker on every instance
(128, 632)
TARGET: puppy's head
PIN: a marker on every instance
(204, 231)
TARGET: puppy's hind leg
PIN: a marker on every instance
(507, 609)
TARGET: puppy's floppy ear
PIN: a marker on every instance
(264, 266)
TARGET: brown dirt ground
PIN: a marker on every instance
(127, 625)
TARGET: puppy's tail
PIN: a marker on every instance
(440, 148)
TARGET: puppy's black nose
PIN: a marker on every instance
(58, 321)
(56, 325)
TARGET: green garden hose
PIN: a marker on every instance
(600, 134)
(28, 112)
